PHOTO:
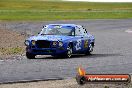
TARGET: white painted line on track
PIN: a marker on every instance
(1, 60)
(129, 31)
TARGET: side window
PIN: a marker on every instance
(85, 32)
(77, 31)
(80, 31)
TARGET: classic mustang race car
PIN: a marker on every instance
(60, 40)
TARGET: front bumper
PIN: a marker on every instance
(46, 51)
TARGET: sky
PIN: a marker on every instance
(103, 0)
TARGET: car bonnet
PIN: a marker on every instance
(51, 37)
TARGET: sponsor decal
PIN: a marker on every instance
(83, 78)
(78, 44)
(86, 44)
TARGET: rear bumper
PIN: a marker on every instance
(46, 51)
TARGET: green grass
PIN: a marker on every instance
(50, 10)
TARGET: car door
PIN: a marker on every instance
(79, 42)
(85, 38)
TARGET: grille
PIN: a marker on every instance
(43, 44)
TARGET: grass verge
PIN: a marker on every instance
(50, 10)
(27, 15)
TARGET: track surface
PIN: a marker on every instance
(112, 53)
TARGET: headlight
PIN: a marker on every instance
(27, 43)
(33, 42)
(60, 44)
(54, 43)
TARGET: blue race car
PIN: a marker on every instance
(60, 40)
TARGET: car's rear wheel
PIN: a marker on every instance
(30, 56)
(69, 51)
(90, 50)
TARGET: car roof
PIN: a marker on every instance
(72, 25)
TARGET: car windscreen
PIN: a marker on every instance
(54, 30)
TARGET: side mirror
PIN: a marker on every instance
(73, 34)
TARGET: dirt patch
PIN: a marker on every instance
(11, 43)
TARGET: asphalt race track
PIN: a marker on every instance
(112, 53)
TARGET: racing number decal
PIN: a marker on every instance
(86, 44)
(78, 44)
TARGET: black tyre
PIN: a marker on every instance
(90, 50)
(69, 51)
(30, 56)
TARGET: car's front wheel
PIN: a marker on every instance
(90, 50)
(30, 56)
